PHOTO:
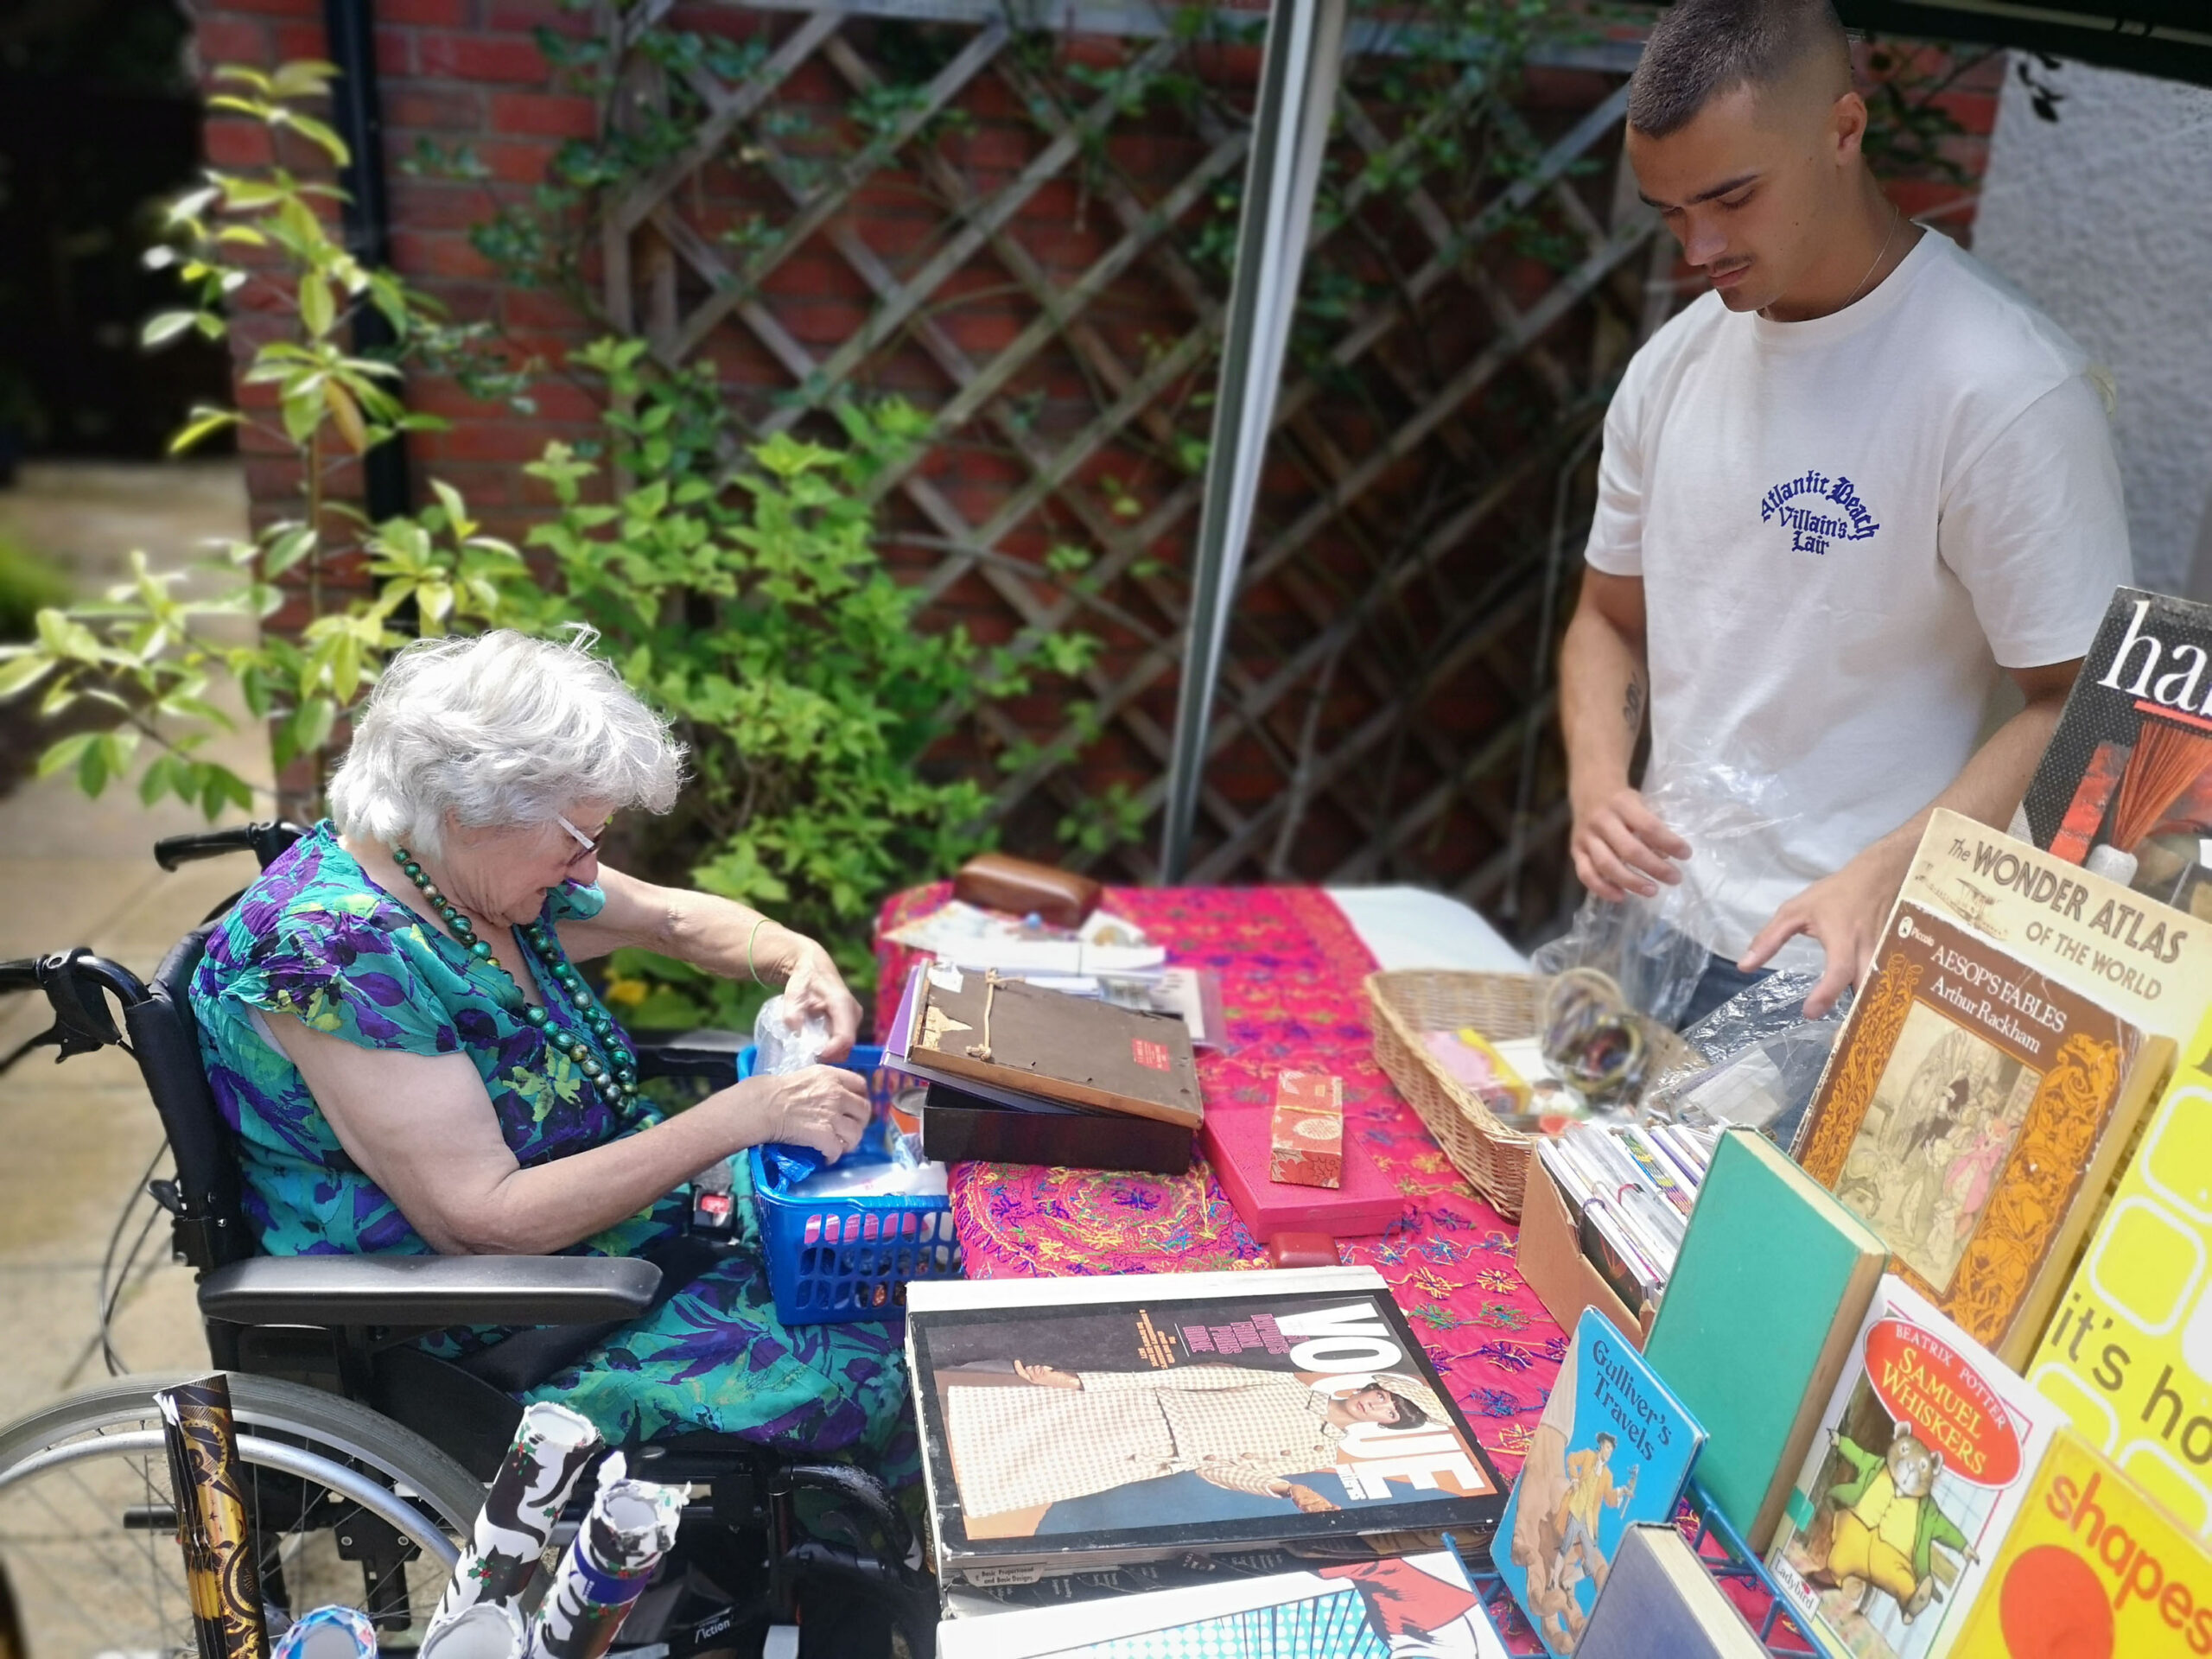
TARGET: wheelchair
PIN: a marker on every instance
(365, 1458)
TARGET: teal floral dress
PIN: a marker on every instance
(315, 939)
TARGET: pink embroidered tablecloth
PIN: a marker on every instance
(1290, 967)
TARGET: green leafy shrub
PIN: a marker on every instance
(738, 588)
(753, 608)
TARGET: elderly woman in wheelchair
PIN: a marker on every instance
(394, 1029)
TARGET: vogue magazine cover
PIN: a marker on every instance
(1064, 1433)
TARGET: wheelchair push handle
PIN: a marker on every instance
(77, 984)
(266, 842)
(76, 973)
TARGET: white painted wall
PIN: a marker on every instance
(2104, 218)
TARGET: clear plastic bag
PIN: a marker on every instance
(1762, 1060)
(1655, 965)
(1657, 948)
(783, 1045)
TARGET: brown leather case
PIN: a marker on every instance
(998, 882)
(1302, 1250)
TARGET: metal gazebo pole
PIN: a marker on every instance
(1297, 92)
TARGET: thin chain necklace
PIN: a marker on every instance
(1896, 218)
(606, 1059)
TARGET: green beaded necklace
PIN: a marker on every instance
(606, 1060)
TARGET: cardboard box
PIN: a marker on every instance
(1550, 1258)
(1307, 1149)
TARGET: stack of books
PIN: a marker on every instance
(1018, 1073)
(1267, 1450)
(1952, 1359)
(1629, 1190)
(1865, 1446)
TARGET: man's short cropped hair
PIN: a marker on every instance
(1700, 49)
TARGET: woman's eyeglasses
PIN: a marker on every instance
(587, 843)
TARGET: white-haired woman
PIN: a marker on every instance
(394, 1026)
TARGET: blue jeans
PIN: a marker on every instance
(1721, 980)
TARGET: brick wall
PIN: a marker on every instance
(453, 72)
(470, 72)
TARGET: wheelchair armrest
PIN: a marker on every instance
(708, 1054)
(431, 1290)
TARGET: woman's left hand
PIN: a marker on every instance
(816, 987)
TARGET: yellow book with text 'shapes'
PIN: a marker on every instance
(2091, 1569)
(2128, 1353)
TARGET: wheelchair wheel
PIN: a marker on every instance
(346, 1507)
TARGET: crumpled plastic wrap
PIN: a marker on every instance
(1762, 1060)
(1654, 962)
(783, 1045)
(1656, 948)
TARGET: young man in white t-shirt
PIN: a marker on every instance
(1840, 495)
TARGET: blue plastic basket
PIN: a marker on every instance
(832, 1260)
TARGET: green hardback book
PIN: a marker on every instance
(1758, 1322)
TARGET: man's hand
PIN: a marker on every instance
(814, 986)
(1845, 912)
(1621, 847)
(1046, 1377)
(1306, 1498)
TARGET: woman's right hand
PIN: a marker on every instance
(824, 1107)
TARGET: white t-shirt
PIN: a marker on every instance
(1847, 528)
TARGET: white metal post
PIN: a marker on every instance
(1298, 94)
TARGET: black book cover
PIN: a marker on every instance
(1074, 1424)
(960, 1126)
(2126, 785)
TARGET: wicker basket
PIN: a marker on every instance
(1504, 1007)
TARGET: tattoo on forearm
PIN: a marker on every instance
(1632, 706)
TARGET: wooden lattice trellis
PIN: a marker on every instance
(1021, 233)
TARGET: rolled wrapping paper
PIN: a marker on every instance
(489, 1630)
(210, 1516)
(552, 1447)
(328, 1633)
(631, 1526)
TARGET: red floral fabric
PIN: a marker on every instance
(1290, 967)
